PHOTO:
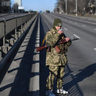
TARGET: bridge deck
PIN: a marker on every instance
(22, 77)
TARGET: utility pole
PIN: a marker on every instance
(66, 7)
(76, 7)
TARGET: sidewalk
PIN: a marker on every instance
(86, 17)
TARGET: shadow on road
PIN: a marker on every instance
(21, 85)
(71, 82)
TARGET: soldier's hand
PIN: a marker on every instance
(60, 31)
(67, 39)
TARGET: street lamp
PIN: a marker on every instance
(76, 7)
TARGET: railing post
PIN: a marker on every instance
(12, 41)
(4, 33)
(16, 35)
(22, 26)
(16, 25)
(4, 47)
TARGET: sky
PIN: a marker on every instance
(37, 5)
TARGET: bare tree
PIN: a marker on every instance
(71, 5)
(15, 7)
(5, 6)
(82, 5)
(61, 4)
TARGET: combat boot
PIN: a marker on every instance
(49, 93)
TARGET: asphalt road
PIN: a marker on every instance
(27, 67)
(80, 77)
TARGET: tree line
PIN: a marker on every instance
(3, 7)
(82, 5)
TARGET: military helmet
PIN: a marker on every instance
(57, 22)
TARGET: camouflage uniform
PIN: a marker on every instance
(56, 61)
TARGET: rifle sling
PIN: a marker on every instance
(43, 41)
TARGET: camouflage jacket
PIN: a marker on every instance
(54, 58)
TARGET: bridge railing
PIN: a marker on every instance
(8, 25)
(11, 30)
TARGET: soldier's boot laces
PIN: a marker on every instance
(50, 93)
(62, 91)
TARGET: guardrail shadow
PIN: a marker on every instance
(44, 71)
(21, 85)
(71, 82)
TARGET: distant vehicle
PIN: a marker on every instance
(47, 11)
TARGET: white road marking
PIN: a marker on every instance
(76, 36)
(95, 49)
(84, 25)
(65, 29)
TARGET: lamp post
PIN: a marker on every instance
(76, 7)
(89, 6)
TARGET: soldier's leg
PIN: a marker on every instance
(61, 73)
(50, 80)
(60, 82)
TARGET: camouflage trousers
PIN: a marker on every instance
(56, 72)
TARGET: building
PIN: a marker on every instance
(5, 5)
(20, 7)
(19, 2)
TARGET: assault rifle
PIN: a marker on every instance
(63, 41)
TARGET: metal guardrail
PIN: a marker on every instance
(15, 47)
(6, 26)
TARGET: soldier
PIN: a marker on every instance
(56, 58)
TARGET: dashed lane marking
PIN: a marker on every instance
(76, 36)
(84, 25)
(65, 29)
(95, 49)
